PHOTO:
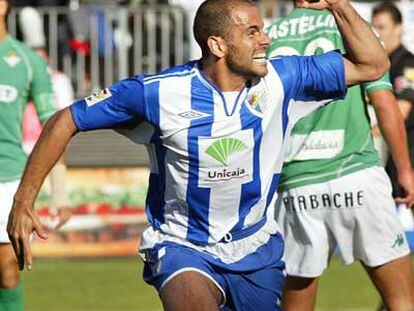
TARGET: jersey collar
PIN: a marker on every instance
(209, 84)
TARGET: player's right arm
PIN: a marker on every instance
(391, 123)
(48, 149)
(366, 59)
(122, 103)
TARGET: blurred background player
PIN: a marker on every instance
(23, 76)
(333, 191)
(191, 8)
(387, 20)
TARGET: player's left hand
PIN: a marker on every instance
(23, 221)
(406, 181)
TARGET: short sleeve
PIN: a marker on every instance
(122, 105)
(312, 78)
(383, 83)
(41, 91)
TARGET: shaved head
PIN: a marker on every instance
(213, 18)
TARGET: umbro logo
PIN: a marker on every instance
(193, 115)
(12, 59)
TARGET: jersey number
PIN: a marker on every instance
(315, 47)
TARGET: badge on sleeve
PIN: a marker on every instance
(98, 97)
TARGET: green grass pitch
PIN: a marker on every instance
(116, 284)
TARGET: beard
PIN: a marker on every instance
(245, 69)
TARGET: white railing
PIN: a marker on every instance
(121, 41)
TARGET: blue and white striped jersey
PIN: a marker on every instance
(214, 165)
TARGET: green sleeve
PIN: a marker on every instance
(383, 83)
(41, 91)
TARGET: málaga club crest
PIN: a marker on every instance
(257, 101)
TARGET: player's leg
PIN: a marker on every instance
(377, 239)
(299, 294)
(190, 291)
(308, 243)
(11, 295)
(184, 279)
(250, 290)
(9, 271)
(394, 282)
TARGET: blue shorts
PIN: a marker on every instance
(243, 286)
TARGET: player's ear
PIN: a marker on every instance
(217, 46)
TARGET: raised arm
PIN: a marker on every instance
(49, 148)
(366, 59)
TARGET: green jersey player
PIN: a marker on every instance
(23, 77)
(333, 192)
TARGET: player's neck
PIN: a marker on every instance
(222, 76)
